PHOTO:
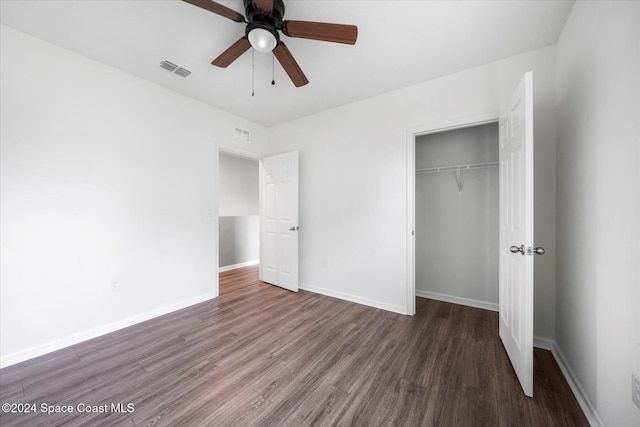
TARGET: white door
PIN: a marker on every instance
(279, 220)
(516, 231)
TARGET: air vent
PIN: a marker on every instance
(182, 72)
(170, 66)
(242, 134)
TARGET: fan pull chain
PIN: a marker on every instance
(253, 73)
(273, 69)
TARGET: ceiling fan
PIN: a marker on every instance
(264, 19)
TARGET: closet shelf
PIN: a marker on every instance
(455, 168)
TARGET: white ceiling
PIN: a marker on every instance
(400, 43)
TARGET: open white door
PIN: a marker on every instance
(516, 231)
(279, 220)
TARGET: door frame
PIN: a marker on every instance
(412, 133)
(231, 152)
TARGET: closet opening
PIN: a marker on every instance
(456, 219)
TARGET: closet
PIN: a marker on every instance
(457, 216)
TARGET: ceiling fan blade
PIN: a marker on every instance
(264, 5)
(233, 53)
(217, 8)
(284, 57)
(336, 33)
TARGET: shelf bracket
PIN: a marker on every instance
(458, 176)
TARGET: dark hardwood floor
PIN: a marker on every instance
(262, 356)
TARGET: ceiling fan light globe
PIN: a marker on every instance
(262, 40)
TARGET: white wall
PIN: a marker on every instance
(239, 194)
(457, 231)
(103, 177)
(238, 241)
(353, 180)
(598, 116)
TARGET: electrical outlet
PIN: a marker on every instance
(115, 285)
(325, 263)
(635, 390)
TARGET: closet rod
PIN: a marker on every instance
(458, 167)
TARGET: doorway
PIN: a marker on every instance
(238, 212)
(412, 135)
(456, 222)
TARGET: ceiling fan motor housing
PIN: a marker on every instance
(272, 18)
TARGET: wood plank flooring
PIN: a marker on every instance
(262, 356)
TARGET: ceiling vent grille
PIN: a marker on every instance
(182, 72)
(170, 66)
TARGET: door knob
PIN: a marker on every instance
(539, 250)
(294, 228)
(516, 249)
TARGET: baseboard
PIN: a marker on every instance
(353, 298)
(458, 300)
(40, 350)
(240, 265)
(584, 402)
(544, 343)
